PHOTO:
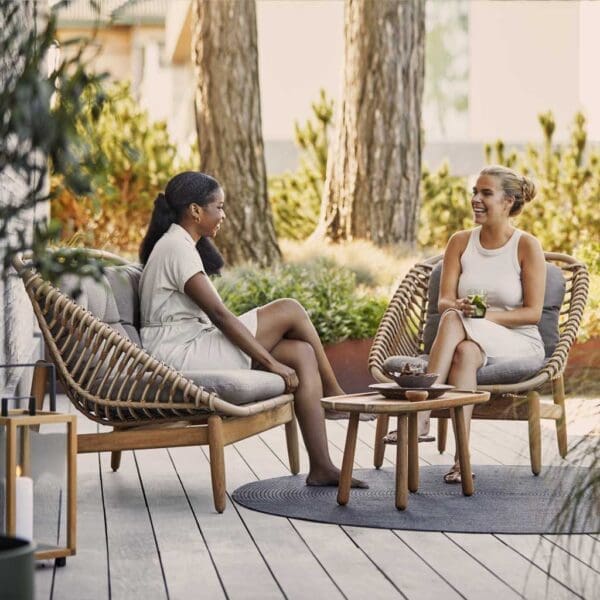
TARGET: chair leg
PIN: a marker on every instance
(380, 431)
(39, 383)
(291, 438)
(535, 431)
(217, 461)
(558, 392)
(442, 434)
(115, 460)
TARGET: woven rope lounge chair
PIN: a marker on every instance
(408, 328)
(113, 381)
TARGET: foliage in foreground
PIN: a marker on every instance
(131, 159)
(327, 292)
(38, 126)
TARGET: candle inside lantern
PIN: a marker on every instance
(24, 498)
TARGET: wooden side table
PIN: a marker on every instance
(407, 449)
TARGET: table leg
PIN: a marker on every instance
(462, 444)
(348, 460)
(413, 452)
(402, 463)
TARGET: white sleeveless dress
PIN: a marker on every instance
(499, 273)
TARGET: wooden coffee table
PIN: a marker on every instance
(407, 449)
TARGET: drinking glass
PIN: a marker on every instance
(478, 298)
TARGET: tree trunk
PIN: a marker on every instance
(229, 126)
(372, 185)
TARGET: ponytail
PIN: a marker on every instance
(211, 258)
(163, 216)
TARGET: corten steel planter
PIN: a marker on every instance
(349, 360)
(584, 355)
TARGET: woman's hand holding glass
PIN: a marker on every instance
(474, 305)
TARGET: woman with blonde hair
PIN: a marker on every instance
(505, 263)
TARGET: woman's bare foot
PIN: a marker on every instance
(331, 479)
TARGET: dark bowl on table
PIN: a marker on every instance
(423, 380)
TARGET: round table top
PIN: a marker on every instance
(373, 402)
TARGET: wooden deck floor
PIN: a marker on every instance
(150, 531)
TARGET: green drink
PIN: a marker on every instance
(478, 298)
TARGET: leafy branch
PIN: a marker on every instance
(37, 131)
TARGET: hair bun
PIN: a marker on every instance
(529, 189)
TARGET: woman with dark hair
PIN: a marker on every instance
(186, 324)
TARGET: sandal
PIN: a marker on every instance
(453, 475)
(392, 438)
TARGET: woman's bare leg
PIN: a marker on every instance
(463, 374)
(287, 319)
(307, 404)
(451, 333)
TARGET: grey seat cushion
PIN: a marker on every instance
(548, 323)
(502, 371)
(239, 386)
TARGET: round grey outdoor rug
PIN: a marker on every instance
(507, 499)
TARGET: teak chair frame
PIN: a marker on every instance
(157, 407)
(401, 333)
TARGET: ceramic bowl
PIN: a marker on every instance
(423, 380)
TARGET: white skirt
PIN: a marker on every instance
(192, 346)
(498, 342)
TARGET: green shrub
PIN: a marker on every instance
(296, 197)
(328, 293)
(130, 160)
(564, 213)
(445, 207)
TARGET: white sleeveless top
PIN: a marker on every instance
(499, 273)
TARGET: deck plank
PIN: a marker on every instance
(512, 568)
(353, 571)
(413, 576)
(470, 578)
(265, 464)
(77, 581)
(135, 568)
(44, 579)
(241, 567)
(292, 562)
(584, 547)
(182, 548)
(576, 575)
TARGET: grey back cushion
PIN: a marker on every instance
(114, 299)
(548, 324)
(124, 282)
